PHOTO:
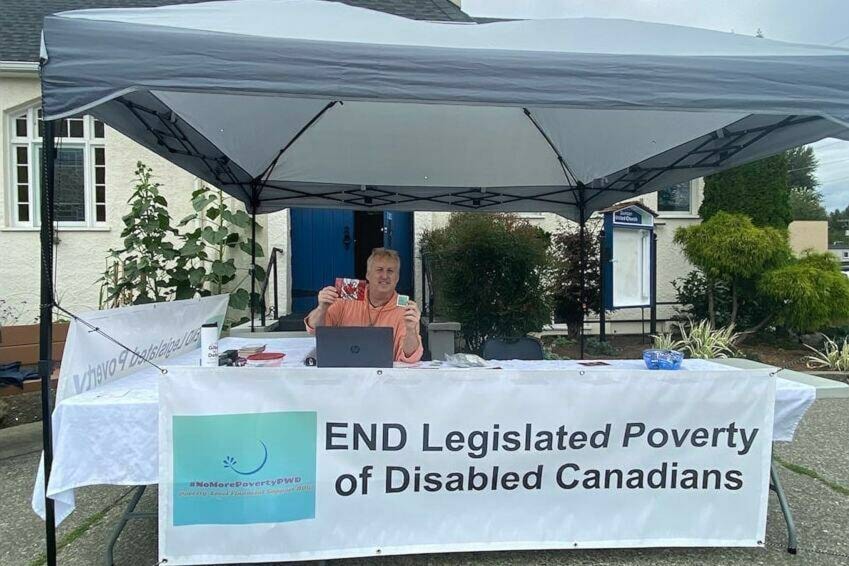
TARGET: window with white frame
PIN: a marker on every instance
(80, 169)
(676, 199)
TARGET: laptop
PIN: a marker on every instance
(354, 347)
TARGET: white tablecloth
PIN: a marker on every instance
(110, 435)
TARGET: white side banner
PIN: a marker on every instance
(264, 464)
(157, 331)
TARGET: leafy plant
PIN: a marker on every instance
(811, 293)
(759, 190)
(702, 340)
(207, 263)
(729, 249)
(665, 341)
(565, 282)
(831, 357)
(139, 272)
(692, 294)
(596, 347)
(159, 262)
(489, 273)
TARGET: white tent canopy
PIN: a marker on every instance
(310, 103)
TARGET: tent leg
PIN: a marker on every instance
(602, 315)
(253, 264)
(582, 265)
(775, 485)
(45, 347)
(653, 284)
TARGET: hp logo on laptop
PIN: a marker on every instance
(355, 349)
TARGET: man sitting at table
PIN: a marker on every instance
(378, 309)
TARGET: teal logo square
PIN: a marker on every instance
(244, 469)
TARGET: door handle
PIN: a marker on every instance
(346, 237)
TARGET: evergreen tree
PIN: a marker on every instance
(805, 197)
(759, 190)
(838, 224)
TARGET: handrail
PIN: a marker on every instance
(427, 286)
(270, 268)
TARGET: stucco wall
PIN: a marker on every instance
(671, 261)
(80, 252)
(808, 235)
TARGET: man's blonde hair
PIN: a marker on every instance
(383, 253)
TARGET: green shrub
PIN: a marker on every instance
(731, 251)
(691, 293)
(489, 273)
(665, 341)
(702, 340)
(812, 293)
(596, 347)
(759, 190)
(832, 357)
(565, 286)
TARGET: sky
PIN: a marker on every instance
(801, 21)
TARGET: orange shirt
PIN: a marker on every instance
(361, 313)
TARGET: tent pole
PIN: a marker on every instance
(253, 256)
(45, 346)
(582, 261)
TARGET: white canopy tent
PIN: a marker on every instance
(306, 103)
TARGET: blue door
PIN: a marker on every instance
(322, 249)
(398, 235)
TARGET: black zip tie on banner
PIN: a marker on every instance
(161, 369)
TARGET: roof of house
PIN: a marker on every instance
(22, 19)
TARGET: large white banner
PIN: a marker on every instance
(157, 331)
(264, 464)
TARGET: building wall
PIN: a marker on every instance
(808, 235)
(671, 261)
(80, 252)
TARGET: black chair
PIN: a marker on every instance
(524, 348)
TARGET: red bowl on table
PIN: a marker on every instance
(266, 359)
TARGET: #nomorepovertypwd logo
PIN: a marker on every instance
(244, 469)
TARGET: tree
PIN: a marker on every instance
(807, 206)
(758, 190)
(729, 249)
(805, 197)
(566, 276)
(838, 224)
(489, 272)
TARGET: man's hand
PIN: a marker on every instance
(327, 297)
(411, 324)
(412, 317)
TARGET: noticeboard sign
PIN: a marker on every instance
(627, 269)
(632, 216)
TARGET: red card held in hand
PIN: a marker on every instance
(351, 289)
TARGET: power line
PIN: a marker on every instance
(818, 164)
